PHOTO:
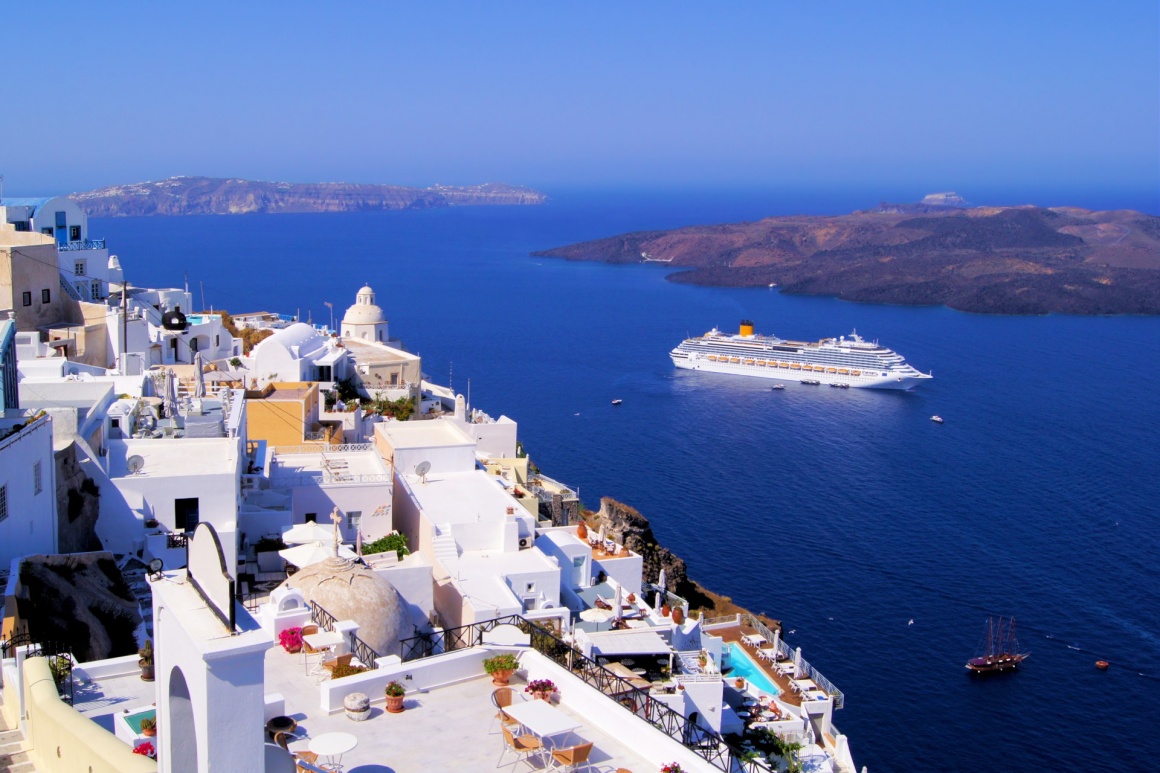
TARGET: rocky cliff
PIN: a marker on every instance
(628, 527)
(1004, 260)
(218, 196)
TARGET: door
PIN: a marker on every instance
(61, 229)
(578, 565)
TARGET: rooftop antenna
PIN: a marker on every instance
(186, 282)
(469, 395)
(202, 283)
(421, 469)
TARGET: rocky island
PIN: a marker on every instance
(941, 251)
(232, 196)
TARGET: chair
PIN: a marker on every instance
(573, 757)
(307, 650)
(502, 698)
(524, 747)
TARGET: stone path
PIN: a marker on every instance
(12, 757)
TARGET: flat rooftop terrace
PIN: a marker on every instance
(443, 729)
(372, 353)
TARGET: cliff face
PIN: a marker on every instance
(1006, 260)
(217, 196)
(628, 527)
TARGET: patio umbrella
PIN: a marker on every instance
(600, 534)
(616, 603)
(595, 615)
(660, 593)
(358, 543)
(169, 400)
(199, 376)
(301, 533)
(797, 663)
(305, 555)
(776, 641)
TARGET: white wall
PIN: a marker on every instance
(365, 498)
(413, 580)
(626, 571)
(30, 526)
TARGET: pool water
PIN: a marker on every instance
(134, 720)
(744, 666)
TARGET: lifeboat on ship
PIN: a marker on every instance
(856, 373)
(712, 358)
(795, 366)
(761, 363)
(844, 371)
(831, 370)
(749, 362)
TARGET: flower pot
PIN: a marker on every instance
(678, 615)
(146, 671)
(739, 683)
(150, 733)
(501, 676)
(665, 610)
(395, 704)
(542, 696)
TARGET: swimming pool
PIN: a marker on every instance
(743, 665)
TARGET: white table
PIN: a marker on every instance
(542, 719)
(332, 746)
(323, 640)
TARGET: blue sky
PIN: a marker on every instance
(557, 95)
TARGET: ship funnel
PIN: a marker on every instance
(746, 327)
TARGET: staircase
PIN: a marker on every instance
(444, 546)
(13, 758)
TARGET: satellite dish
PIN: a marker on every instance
(135, 464)
(155, 567)
(421, 469)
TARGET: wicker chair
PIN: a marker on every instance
(523, 746)
(501, 699)
(307, 650)
(573, 757)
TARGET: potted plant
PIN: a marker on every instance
(582, 531)
(541, 689)
(395, 693)
(665, 610)
(149, 727)
(672, 767)
(500, 668)
(61, 667)
(702, 658)
(146, 661)
(151, 523)
(679, 616)
(291, 640)
(739, 683)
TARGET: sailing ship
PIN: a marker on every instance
(1000, 648)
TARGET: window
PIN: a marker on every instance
(354, 519)
(312, 517)
(46, 296)
(96, 289)
(394, 379)
(529, 587)
(185, 514)
(36, 486)
(3, 502)
(26, 297)
(21, 225)
(217, 340)
(46, 231)
(79, 267)
(74, 233)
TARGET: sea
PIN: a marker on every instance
(882, 540)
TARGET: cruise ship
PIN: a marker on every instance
(844, 361)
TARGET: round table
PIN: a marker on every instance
(332, 746)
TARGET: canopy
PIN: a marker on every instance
(305, 555)
(630, 642)
(199, 376)
(595, 615)
(301, 533)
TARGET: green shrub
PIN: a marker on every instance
(393, 541)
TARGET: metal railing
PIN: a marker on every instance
(365, 653)
(326, 479)
(176, 541)
(83, 244)
(672, 599)
(705, 742)
(60, 658)
(338, 448)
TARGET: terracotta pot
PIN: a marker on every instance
(739, 683)
(501, 677)
(582, 531)
(149, 733)
(632, 598)
(665, 610)
(395, 704)
(293, 650)
(146, 671)
(542, 696)
(678, 615)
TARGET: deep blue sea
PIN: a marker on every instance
(844, 513)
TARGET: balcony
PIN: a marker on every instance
(82, 244)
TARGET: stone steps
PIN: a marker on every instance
(13, 758)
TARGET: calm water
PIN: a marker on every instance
(845, 513)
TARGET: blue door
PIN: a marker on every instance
(61, 229)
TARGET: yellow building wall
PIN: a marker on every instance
(285, 422)
(62, 740)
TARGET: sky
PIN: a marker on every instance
(585, 95)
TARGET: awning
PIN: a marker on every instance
(630, 642)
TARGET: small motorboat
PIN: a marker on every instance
(937, 419)
(617, 401)
(775, 387)
(1102, 665)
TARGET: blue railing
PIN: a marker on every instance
(84, 244)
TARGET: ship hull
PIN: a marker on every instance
(864, 381)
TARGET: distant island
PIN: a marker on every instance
(231, 196)
(941, 251)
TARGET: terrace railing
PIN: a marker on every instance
(807, 670)
(672, 599)
(84, 244)
(365, 653)
(705, 742)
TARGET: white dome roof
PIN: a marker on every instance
(352, 591)
(364, 311)
(299, 334)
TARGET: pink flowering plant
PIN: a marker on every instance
(291, 639)
(146, 749)
(672, 767)
(541, 685)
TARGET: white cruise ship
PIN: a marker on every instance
(847, 361)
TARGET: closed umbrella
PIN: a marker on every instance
(616, 603)
(358, 543)
(301, 533)
(199, 376)
(169, 400)
(797, 663)
(661, 593)
(776, 641)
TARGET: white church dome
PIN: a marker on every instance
(364, 311)
(352, 591)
